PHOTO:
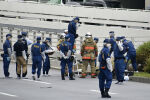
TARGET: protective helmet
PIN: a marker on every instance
(8, 35)
(24, 33)
(88, 35)
(126, 78)
(62, 36)
(65, 31)
(96, 39)
(38, 38)
(67, 37)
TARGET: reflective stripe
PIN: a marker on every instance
(83, 74)
(93, 74)
(103, 67)
(91, 48)
(86, 57)
(74, 47)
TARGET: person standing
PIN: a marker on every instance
(7, 48)
(105, 75)
(89, 53)
(37, 54)
(20, 55)
(96, 41)
(65, 52)
(46, 63)
(72, 28)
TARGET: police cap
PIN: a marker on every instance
(38, 38)
(8, 35)
(24, 33)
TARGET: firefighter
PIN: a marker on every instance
(89, 53)
(105, 75)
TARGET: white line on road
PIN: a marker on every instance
(8, 94)
(36, 81)
(99, 91)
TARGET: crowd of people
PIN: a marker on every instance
(121, 48)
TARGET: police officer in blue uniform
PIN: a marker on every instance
(7, 48)
(72, 27)
(131, 53)
(66, 58)
(105, 75)
(46, 64)
(37, 53)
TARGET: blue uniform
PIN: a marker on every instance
(36, 58)
(72, 32)
(131, 53)
(105, 74)
(46, 64)
(64, 48)
(6, 57)
(119, 60)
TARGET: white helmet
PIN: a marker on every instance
(65, 31)
(88, 35)
(126, 78)
(62, 36)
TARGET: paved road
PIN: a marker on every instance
(53, 88)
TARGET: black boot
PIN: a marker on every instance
(62, 76)
(103, 94)
(106, 93)
(71, 77)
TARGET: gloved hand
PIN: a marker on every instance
(76, 35)
(8, 58)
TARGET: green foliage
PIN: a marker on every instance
(142, 74)
(147, 66)
(143, 53)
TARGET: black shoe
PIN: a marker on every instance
(71, 77)
(106, 93)
(103, 94)
(62, 76)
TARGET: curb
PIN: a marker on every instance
(140, 79)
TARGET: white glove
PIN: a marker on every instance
(62, 55)
(120, 45)
(43, 56)
(24, 55)
(68, 53)
(109, 64)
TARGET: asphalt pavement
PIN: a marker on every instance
(53, 88)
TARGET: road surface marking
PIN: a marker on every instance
(36, 81)
(99, 91)
(8, 94)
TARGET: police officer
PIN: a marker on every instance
(46, 63)
(105, 75)
(96, 41)
(89, 53)
(65, 52)
(20, 56)
(7, 48)
(37, 54)
(131, 53)
(119, 51)
(72, 27)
